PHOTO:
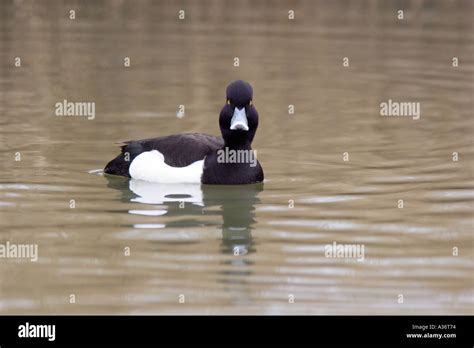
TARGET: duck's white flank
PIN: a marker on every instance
(150, 166)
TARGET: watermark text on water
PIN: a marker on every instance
(67, 108)
(19, 251)
(345, 251)
(400, 109)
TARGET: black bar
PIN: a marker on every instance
(235, 330)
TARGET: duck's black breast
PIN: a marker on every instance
(179, 150)
(216, 173)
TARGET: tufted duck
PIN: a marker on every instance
(196, 157)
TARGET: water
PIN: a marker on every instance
(182, 238)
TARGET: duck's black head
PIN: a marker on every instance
(239, 118)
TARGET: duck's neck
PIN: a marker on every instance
(240, 145)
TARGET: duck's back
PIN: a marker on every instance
(179, 150)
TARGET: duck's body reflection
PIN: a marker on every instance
(237, 206)
(156, 193)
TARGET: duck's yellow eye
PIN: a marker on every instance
(250, 103)
(228, 102)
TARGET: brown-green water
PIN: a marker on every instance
(188, 248)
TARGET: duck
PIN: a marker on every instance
(197, 157)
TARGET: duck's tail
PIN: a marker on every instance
(120, 165)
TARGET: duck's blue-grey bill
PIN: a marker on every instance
(239, 120)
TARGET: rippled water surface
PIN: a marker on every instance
(183, 238)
